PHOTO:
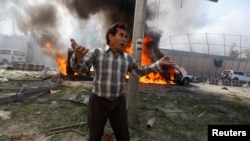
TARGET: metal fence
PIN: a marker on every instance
(209, 43)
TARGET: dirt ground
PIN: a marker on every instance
(179, 113)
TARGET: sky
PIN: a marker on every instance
(170, 18)
(200, 16)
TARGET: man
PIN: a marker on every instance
(110, 66)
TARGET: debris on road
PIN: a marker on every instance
(5, 115)
(150, 123)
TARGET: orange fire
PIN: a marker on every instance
(61, 59)
(153, 77)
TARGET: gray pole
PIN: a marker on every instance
(240, 46)
(190, 46)
(138, 35)
(207, 44)
(224, 44)
(13, 24)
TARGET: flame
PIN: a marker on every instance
(153, 77)
(172, 71)
(61, 59)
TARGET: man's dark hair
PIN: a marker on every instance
(113, 29)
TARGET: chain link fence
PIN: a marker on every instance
(237, 46)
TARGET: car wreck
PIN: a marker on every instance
(176, 75)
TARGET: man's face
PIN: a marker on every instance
(118, 41)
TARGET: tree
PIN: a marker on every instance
(234, 53)
(247, 53)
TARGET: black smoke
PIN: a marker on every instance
(116, 10)
(41, 20)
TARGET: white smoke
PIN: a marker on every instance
(22, 19)
(171, 17)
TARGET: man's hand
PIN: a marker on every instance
(80, 51)
(165, 63)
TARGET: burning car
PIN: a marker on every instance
(178, 75)
(186, 77)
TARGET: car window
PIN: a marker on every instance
(19, 53)
(241, 73)
(247, 74)
(5, 51)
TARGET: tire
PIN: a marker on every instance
(69, 70)
(184, 82)
(177, 75)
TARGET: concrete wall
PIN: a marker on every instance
(203, 65)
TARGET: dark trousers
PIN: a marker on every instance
(100, 110)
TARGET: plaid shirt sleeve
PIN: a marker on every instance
(136, 69)
(87, 62)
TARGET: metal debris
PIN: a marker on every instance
(150, 123)
(200, 115)
(20, 96)
(3, 79)
(5, 115)
(67, 128)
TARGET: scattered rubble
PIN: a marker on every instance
(150, 123)
(31, 86)
(66, 128)
(5, 115)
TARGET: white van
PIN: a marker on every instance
(11, 56)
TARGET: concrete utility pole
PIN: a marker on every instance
(137, 41)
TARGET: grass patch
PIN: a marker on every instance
(186, 116)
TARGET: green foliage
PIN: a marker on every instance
(234, 53)
(247, 53)
(185, 114)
